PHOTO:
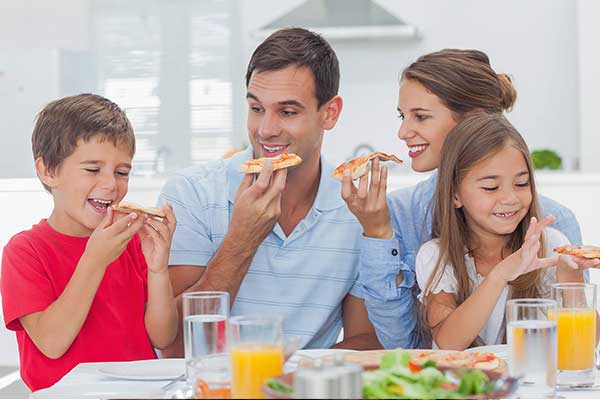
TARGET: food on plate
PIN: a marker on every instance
(443, 358)
(284, 160)
(581, 250)
(127, 207)
(404, 375)
(358, 165)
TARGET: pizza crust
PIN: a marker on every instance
(127, 207)
(284, 160)
(358, 165)
(582, 250)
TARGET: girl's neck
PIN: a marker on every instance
(487, 251)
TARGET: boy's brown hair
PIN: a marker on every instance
(63, 122)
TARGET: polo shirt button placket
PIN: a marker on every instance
(394, 252)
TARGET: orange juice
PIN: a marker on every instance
(251, 365)
(576, 338)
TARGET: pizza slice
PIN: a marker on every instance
(127, 207)
(358, 165)
(582, 250)
(284, 160)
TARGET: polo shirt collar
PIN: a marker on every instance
(329, 195)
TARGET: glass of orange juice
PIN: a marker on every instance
(256, 345)
(576, 320)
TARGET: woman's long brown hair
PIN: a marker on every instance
(476, 138)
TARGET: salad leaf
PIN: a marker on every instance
(474, 382)
(394, 359)
(279, 386)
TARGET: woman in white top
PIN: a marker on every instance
(487, 245)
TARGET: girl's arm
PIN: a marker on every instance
(455, 328)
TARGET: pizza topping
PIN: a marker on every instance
(585, 251)
(283, 160)
(358, 165)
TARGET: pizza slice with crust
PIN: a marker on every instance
(582, 250)
(284, 160)
(358, 165)
(128, 207)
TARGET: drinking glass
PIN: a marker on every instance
(576, 319)
(532, 345)
(204, 329)
(256, 353)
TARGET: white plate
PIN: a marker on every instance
(501, 350)
(145, 370)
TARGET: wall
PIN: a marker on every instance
(542, 61)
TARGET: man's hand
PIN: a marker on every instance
(108, 241)
(368, 202)
(257, 206)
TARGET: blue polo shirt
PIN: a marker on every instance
(303, 277)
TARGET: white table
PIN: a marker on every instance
(86, 381)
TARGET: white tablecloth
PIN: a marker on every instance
(87, 381)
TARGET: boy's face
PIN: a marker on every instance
(95, 176)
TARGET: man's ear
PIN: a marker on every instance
(457, 202)
(47, 176)
(332, 109)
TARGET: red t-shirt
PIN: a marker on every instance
(37, 265)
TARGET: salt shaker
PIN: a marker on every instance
(341, 380)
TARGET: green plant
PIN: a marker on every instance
(546, 159)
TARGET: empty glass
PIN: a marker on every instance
(532, 345)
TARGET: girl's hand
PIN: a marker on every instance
(577, 263)
(368, 202)
(156, 239)
(526, 258)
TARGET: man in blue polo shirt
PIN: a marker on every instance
(283, 242)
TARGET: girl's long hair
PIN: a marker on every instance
(476, 138)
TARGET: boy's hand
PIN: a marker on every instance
(108, 240)
(526, 258)
(156, 239)
(368, 203)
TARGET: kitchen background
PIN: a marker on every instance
(178, 66)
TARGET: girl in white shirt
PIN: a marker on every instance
(488, 245)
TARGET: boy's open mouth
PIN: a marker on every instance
(100, 205)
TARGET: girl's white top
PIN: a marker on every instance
(492, 332)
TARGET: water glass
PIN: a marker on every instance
(256, 345)
(532, 345)
(212, 376)
(204, 328)
(576, 319)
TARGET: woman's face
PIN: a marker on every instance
(425, 124)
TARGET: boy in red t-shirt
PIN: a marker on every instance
(85, 285)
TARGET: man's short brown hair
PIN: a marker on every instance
(63, 122)
(302, 48)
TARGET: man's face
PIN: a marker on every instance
(283, 115)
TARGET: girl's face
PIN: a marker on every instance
(495, 194)
(425, 124)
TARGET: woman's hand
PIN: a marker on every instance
(526, 258)
(368, 202)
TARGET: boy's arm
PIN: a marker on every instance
(54, 329)
(161, 314)
(161, 317)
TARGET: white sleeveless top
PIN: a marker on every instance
(492, 331)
